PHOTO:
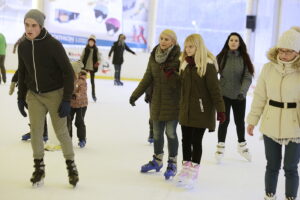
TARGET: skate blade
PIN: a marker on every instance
(169, 178)
(38, 184)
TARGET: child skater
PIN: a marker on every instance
(79, 104)
(200, 99)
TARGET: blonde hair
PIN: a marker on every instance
(202, 55)
(171, 34)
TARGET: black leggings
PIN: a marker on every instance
(238, 108)
(92, 74)
(192, 143)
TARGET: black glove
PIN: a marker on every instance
(240, 97)
(147, 98)
(132, 100)
(64, 109)
(22, 105)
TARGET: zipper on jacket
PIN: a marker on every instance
(33, 61)
(201, 105)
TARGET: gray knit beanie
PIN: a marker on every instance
(37, 15)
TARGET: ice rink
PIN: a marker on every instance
(109, 165)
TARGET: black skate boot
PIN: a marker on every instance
(72, 172)
(38, 175)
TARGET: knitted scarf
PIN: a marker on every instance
(160, 55)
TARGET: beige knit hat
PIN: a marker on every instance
(92, 37)
(290, 39)
(171, 34)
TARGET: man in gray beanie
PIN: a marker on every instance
(37, 15)
(46, 83)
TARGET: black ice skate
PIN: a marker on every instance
(38, 175)
(72, 172)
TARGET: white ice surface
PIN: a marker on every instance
(109, 166)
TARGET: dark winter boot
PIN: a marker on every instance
(72, 172)
(38, 175)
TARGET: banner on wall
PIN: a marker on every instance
(12, 14)
(73, 21)
(135, 20)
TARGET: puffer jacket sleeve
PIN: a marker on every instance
(246, 82)
(259, 100)
(145, 82)
(214, 88)
(22, 88)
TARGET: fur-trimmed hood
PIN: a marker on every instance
(272, 56)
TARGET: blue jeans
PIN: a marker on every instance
(158, 135)
(273, 153)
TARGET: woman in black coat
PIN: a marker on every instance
(118, 49)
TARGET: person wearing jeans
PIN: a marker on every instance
(159, 127)
(162, 74)
(276, 102)
(274, 157)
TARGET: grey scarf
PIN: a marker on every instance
(160, 55)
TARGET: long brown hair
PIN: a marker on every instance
(222, 56)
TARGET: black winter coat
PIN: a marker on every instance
(118, 51)
(44, 66)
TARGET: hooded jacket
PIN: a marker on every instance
(44, 66)
(278, 82)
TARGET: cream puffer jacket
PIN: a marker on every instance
(278, 82)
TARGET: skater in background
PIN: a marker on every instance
(148, 96)
(118, 50)
(91, 59)
(45, 84)
(200, 100)
(236, 72)
(162, 74)
(2, 58)
(79, 103)
(276, 102)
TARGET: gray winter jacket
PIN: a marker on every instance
(235, 78)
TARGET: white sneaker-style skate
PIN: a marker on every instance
(270, 197)
(244, 151)
(193, 175)
(220, 152)
(183, 175)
